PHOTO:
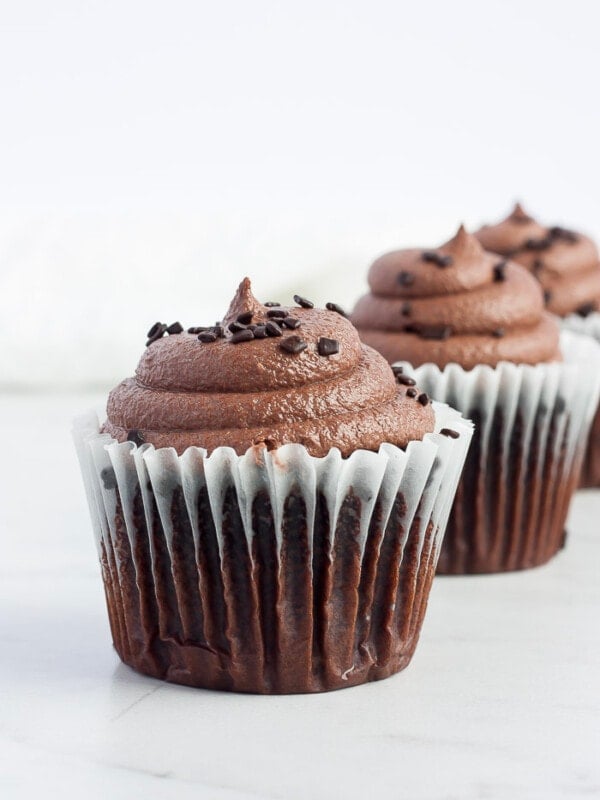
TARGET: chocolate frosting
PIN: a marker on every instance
(565, 263)
(210, 394)
(456, 304)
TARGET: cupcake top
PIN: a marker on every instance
(565, 263)
(455, 304)
(266, 375)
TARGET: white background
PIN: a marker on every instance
(151, 154)
(500, 702)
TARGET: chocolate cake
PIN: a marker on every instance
(476, 309)
(565, 262)
(471, 327)
(268, 499)
(308, 380)
(567, 265)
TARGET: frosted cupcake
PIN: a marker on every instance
(268, 503)
(567, 265)
(471, 329)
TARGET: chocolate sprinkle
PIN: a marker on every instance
(563, 233)
(207, 337)
(328, 347)
(219, 330)
(175, 327)
(538, 244)
(437, 258)
(439, 332)
(293, 344)
(423, 399)
(336, 308)
(260, 332)
(411, 392)
(245, 317)
(397, 370)
(405, 380)
(405, 278)
(302, 301)
(197, 329)
(236, 327)
(136, 436)
(271, 304)
(154, 330)
(449, 432)
(498, 333)
(108, 478)
(586, 309)
(500, 271)
(242, 336)
(273, 329)
(291, 322)
(158, 333)
(277, 313)
(406, 309)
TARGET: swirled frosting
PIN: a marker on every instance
(455, 304)
(565, 263)
(314, 383)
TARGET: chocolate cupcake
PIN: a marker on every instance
(268, 503)
(567, 265)
(564, 262)
(470, 327)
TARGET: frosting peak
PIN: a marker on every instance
(457, 303)
(267, 375)
(519, 215)
(463, 245)
(458, 265)
(243, 302)
(565, 263)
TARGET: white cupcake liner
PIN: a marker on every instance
(531, 427)
(590, 472)
(271, 571)
(589, 325)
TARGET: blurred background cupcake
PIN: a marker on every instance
(269, 502)
(471, 328)
(567, 265)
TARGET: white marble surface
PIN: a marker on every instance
(502, 699)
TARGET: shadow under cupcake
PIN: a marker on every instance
(268, 503)
(471, 329)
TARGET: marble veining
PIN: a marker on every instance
(501, 701)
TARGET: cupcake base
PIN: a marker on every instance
(511, 505)
(269, 572)
(590, 472)
(247, 648)
(524, 465)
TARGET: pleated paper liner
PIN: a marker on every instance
(590, 472)
(531, 428)
(272, 572)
